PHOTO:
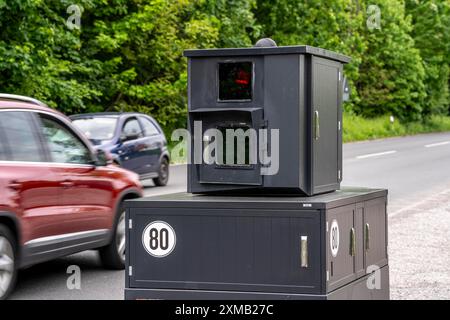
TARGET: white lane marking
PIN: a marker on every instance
(437, 144)
(370, 155)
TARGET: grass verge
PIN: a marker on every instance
(357, 128)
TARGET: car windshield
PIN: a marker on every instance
(98, 128)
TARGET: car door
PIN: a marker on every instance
(154, 144)
(132, 146)
(32, 188)
(86, 194)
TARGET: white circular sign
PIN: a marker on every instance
(159, 239)
(334, 238)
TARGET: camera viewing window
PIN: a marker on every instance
(228, 148)
(235, 81)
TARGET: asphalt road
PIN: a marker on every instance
(416, 170)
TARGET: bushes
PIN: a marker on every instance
(128, 53)
(431, 33)
(391, 74)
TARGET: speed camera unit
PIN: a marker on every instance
(286, 104)
(261, 220)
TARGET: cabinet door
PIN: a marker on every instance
(340, 253)
(375, 233)
(217, 249)
(237, 163)
(326, 128)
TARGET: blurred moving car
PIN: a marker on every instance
(135, 141)
(57, 195)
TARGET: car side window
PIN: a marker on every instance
(3, 155)
(63, 145)
(149, 128)
(22, 136)
(2, 151)
(132, 128)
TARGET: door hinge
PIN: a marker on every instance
(339, 126)
(327, 226)
(328, 275)
(339, 174)
(130, 224)
(339, 73)
(130, 271)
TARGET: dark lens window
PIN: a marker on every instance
(233, 147)
(235, 81)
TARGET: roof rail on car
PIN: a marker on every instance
(16, 97)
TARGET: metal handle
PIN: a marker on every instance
(304, 251)
(367, 236)
(316, 125)
(352, 242)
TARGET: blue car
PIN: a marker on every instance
(134, 140)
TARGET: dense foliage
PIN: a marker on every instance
(127, 54)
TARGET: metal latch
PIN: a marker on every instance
(304, 251)
(352, 242)
(367, 237)
(130, 271)
(316, 125)
(130, 224)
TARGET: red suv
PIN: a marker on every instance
(57, 196)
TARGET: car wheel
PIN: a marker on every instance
(113, 255)
(163, 175)
(8, 259)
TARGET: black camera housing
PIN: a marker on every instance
(297, 90)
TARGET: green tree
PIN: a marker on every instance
(431, 33)
(126, 56)
(235, 20)
(391, 73)
(39, 54)
(138, 47)
(335, 25)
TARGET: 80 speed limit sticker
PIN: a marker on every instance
(159, 239)
(334, 238)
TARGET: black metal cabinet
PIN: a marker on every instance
(279, 247)
(295, 90)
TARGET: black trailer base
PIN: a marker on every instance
(356, 290)
(329, 246)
